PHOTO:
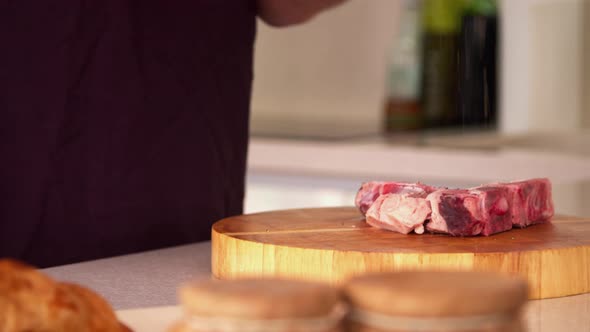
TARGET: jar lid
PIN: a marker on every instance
(437, 294)
(259, 299)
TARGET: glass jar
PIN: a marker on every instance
(260, 305)
(436, 302)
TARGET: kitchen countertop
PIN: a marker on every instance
(150, 279)
(466, 158)
(145, 279)
(290, 173)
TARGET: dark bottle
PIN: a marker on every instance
(441, 26)
(477, 72)
(402, 107)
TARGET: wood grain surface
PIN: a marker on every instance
(333, 244)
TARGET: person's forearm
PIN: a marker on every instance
(289, 12)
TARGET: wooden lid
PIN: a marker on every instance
(258, 298)
(437, 294)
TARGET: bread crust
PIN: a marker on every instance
(31, 301)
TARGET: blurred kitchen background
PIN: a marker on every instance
(446, 92)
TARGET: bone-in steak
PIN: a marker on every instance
(484, 210)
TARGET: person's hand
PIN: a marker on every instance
(288, 12)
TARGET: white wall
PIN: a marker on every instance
(586, 91)
(542, 65)
(330, 70)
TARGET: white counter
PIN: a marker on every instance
(150, 279)
(146, 279)
(446, 158)
(288, 173)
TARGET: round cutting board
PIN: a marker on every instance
(333, 244)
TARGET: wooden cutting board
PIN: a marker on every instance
(333, 244)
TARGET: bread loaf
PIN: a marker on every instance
(31, 301)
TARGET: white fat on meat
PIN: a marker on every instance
(400, 213)
(370, 191)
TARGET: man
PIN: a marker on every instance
(124, 123)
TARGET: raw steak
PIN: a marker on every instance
(401, 213)
(531, 201)
(370, 191)
(462, 212)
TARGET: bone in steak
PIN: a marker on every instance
(485, 210)
(370, 191)
(401, 213)
(462, 212)
(531, 201)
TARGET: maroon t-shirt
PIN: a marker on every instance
(123, 124)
